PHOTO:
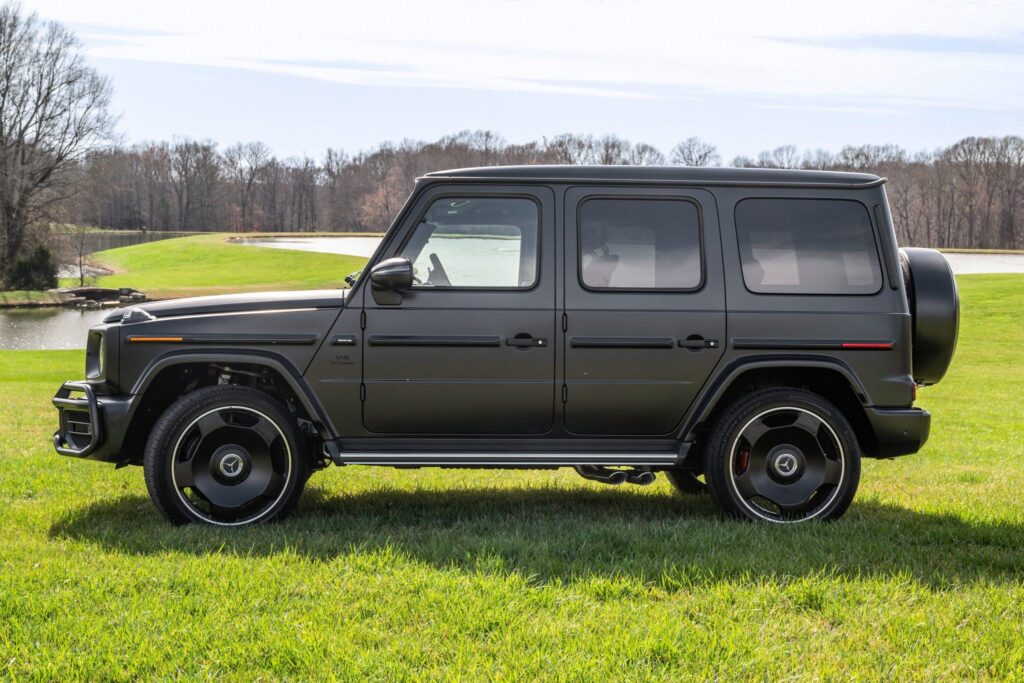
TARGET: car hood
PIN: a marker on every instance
(231, 303)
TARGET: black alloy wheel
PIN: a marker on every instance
(783, 455)
(226, 456)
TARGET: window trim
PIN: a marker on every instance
(871, 224)
(461, 195)
(641, 290)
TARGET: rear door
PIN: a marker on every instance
(644, 319)
(469, 349)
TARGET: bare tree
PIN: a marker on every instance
(570, 149)
(643, 154)
(244, 163)
(80, 246)
(780, 157)
(194, 175)
(54, 111)
(695, 152)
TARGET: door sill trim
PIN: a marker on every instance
(492, 459)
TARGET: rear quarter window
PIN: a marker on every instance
(807, 246)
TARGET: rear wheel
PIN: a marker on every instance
(227, 456)
(783, 455)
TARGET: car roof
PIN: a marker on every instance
(672, 175)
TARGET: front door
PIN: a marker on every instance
(469, 350)
(644, 307)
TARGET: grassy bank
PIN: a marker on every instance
(209, 264)
(27, 298)
(391, 574)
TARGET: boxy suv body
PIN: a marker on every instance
(757, 328)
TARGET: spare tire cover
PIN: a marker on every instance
(935, 307)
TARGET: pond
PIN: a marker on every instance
(47, 328)
(351, 246)
(968, 264)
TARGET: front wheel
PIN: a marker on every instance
(226, 456)
(782, 455)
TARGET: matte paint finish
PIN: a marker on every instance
(445, 365)
(255, 333)
(635, 389)
(434, 372)
(883, 316)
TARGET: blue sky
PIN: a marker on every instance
(746, 76)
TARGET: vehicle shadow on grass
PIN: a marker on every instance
(554, 534)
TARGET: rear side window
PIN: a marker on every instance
(639, 244)
(807, 246)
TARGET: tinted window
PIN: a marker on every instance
(639, 244)
(807, 246)
(476, 242)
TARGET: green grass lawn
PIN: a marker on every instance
(209, 264)
(426, 574)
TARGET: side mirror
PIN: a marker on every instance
(393, 273)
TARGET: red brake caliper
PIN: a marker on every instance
(742, 460)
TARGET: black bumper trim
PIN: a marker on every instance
(898, 431)
(63, 442)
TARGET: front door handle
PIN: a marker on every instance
(525, 341)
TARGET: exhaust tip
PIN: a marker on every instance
(642, 478)
(617, 477)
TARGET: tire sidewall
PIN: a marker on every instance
(718, 460)
(170, 427)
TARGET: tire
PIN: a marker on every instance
(782, 455)
(685, 482)
(934, 303)
(225, 456)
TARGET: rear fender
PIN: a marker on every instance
(706, 403)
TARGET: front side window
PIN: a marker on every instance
(639, 244)
(476, 242)
(807, 246)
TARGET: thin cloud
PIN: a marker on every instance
(915, 43)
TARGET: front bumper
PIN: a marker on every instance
(90, 425)
(897, 431)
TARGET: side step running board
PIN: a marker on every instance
(493, 459)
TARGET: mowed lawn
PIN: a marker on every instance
(209, 264)
(389, 575)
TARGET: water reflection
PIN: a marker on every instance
(351, 246)
(47, 328)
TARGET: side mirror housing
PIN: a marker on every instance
(392, 274)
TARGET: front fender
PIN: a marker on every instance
(269, 359)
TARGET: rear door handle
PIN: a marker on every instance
(525, 341)
(698, 343)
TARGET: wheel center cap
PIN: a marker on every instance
(231, 465)
(786, 464)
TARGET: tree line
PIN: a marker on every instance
(970, 194)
